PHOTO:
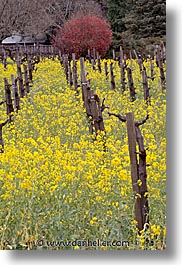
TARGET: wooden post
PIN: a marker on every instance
(15, 93)
(85, 87)
(89, 54)
(94, 54)
(163, 52)
(53, 52)
(132, 149)
(121, 56)
(113, 85)
(74, 70)
(65, 64)
(122, 71)
(17, 52)
(70, 76)
(106, 69)
(1, 139)
(139, 61)
(130, 81)
(30, 70)
(93, 64)
(152, 69)
(93, 59)
(131, 85)
(20, 51)
(93, 108)
(99, 63)
(9, 105)
(138, 170)
(142, 175)
(159, 61)
(60, 57)
(131, 60)
(113, 54)
(134, 167)
(1, 136)
(96, 113)
(26, 85)
(145, 84)
(20, 79)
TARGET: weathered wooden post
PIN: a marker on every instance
(106, 70)
(85, 87)
(94, 54)
(93, 64)
(60, 57)
(65, 64)
(93, 59)
(113, 55)
(20, 79)
(26, 80)
(139, 60)
(70, 76)
(15, 93)
(142, 165)
(1, 136)
(159, 61)
(134, 167)
(163, 52)
(9, 105)
(152, 73)
(122, 71)
(95, 107)
(53, 52)
(131, 83)
(74, 70)
(145, 85)
(99, 63)
(30, 70)
(89, 55)
(138, 168)
(113, 85)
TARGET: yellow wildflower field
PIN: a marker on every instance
(57, 185)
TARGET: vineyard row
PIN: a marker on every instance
(20, 87)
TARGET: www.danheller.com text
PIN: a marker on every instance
(79, 243)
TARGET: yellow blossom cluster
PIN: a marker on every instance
(57, 183)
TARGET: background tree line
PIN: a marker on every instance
(134, 23)
(137, 23)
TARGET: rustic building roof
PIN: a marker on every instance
(17, 38)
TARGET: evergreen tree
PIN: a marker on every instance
(116, 12)
(146, 23)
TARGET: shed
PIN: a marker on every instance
(17, 38)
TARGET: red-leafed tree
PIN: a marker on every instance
(82, 33)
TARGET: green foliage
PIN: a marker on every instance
(117, 11)
(137, 23)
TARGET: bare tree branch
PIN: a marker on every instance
(39, 16)
(121, 118)
(138, 123)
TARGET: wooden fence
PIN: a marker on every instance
(25, 51)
